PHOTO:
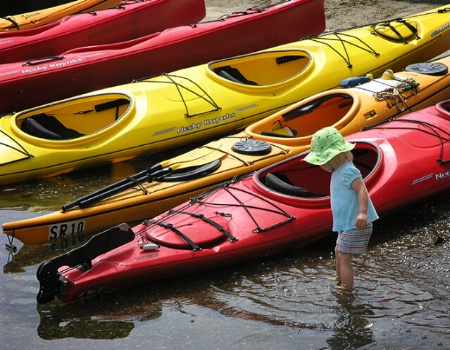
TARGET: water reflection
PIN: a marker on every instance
(111, 317)
(51, 328)
(297, 296)
(351, 330)
(53, 192)
(401, 289)
(22, 255)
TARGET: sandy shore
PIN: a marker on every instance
(339, 13)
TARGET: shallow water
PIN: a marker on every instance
(402, 298)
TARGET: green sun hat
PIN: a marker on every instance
(326, 144)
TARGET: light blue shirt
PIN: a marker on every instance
(344, 200)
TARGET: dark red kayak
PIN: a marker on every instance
(33, 82)
(130, 20)
(280, 207)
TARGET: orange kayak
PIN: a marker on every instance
(40, 17)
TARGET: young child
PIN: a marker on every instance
(353, 211)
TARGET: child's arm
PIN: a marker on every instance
(363, 199)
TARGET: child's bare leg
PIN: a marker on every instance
(344, 261)
(336, 253)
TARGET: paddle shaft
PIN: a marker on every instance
(187, 158)
(83, 203)
(129, 181)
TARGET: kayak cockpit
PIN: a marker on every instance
(73, 119)
(48, 127)
(297, 124)
(295, 179)
(443, 109)
(261, 69)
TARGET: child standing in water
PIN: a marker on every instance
(352, 208)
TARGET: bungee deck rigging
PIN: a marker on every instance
(179, 86)
(209, 221)
(201, 200)
(339, 38)
(413, 33)
(20, 149)
(430, 129)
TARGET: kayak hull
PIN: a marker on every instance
(248, 219)
(110, 25)
(36, 80)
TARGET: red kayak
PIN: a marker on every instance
(34, 82)
(127, 21)
(280, 207)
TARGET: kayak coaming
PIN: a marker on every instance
(391, 182)
(371, 172)
(104, 124)
(169, 50)
(274, 77)
(110, 26)
(71, 146)
(154, 197)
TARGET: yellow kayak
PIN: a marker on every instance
(276, 137)
(38, 18)
(174, 109)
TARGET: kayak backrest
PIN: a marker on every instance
(234, 75)
(280, 183)
(48, 127)
(262, 68)
(308, 108)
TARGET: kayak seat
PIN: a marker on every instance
(280, 183)
(48, 127)
(234, 75)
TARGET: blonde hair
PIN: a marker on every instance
(340, 158)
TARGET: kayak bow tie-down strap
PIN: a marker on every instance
(184, 85)
(209, 221)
